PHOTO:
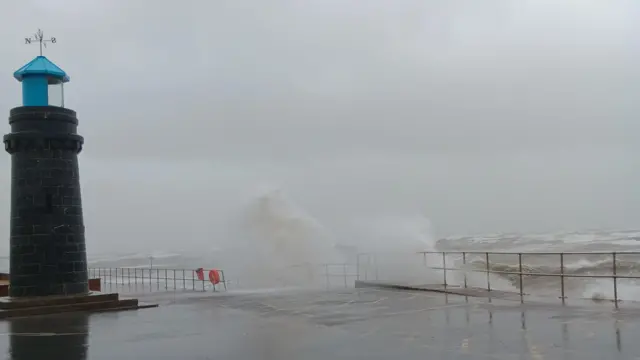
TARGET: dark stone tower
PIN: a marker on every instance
(48, 254)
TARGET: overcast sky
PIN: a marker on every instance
(483, 116)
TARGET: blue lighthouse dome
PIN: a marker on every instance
(42, 83)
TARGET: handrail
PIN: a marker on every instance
(522, 272)
(539, 274)
(531, 253)
(364, 269)
(170, 278)
(154, 278)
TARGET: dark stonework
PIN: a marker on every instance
(47, 255)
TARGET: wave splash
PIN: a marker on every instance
(289, 240)
(276, 243)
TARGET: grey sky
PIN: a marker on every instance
(483, 116)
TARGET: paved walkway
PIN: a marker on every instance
(350, 324)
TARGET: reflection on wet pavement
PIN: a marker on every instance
(52, 337)
(354, 324)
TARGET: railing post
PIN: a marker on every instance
(184, 281)
(193, 280)
(520, 272)
(135, 277)
(223, 279)
(166, 280)
(357, 267)
(464, 265)
(174, 280)
(150, 280)
(129, 276)
(562, 277)
(344, 272)
(157, 279)
(488, 271)
(375, 260)
(326, 275)
(366, 269)
(444, 268)
(615, 279)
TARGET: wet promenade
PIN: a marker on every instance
(320, 325)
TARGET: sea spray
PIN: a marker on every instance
(293, 246)
(389, 246)
(290, 243)
(273, 242)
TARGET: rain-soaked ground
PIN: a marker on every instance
(319, 325)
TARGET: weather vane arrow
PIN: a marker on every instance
(39, 38)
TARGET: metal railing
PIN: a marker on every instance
(329, 275)
(155, 279)
(342, 272)
(333, 275)
(530, 273)
(565, 275)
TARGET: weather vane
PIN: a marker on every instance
(39, 37)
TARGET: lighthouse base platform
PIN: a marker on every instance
(46, 305)
(94, 284)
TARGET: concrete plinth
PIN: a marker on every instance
(46, 305)
(94, 285)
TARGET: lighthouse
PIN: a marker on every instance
(47, 235)
(48, 259)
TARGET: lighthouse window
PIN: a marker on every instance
(56, 94)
